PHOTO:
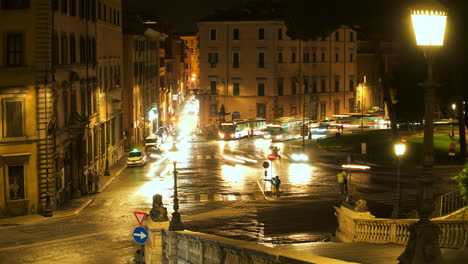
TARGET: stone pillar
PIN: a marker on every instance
(154, 247)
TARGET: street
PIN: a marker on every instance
(218, 192)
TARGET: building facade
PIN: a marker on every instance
(192, 67)
(254, 69)
(64, 59)
(143, 76)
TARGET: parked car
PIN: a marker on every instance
(162, 134)
(136, 157)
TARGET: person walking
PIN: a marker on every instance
(341, 178)
(277, 186)
(95, 181)
(273, 186)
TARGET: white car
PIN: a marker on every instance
(136, 157)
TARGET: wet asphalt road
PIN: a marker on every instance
(218, 195)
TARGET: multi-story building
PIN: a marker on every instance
(174, 88)
(143, 60)
(61, 64)
(192, 67)
(254, 69)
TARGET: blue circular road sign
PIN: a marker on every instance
(140, 235)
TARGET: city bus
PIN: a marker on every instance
(257, 126)
(236, 129)
(283, 128)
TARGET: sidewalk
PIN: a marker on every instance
(71, 208)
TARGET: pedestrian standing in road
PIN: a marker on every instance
(277, 186)
(96, 181)
(273, 186)
(341, 181)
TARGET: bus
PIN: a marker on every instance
(236, 129)
(283, 128)
(257, 126)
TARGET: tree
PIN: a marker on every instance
(462, 179)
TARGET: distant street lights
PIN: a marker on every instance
(452, 119)
(423, 245)
(400, 149)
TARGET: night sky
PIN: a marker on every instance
(183, 14)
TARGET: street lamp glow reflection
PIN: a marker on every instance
(300, 173)
(400, 149)
(429, 27)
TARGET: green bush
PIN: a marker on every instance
(462, 180)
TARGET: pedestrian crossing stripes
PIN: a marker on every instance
(216, 157)
(221, 197)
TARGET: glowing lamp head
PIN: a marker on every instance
(400, 149)
(429, 25)
(454, 106)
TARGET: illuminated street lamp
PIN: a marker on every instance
(176, 221)
(423, 245)
(399, 151)
(453, 115)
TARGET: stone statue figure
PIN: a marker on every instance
(158, 213)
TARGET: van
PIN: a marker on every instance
(152, 142)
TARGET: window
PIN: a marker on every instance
(104, 10)
(72, 49)
(351, 85)
(293, 86)
(235, 60)
(323, 56)
(280, 33)
(235, 89)
(261, 60)
(99, 11)
(351, 36)
(323, 85)
(55, 4)
(235, 34)
(351, 57)
(306, 57)
(280, 57)
(64, 49)
(351, 105)
(82, 8)
(13, 118)
(336, 57)
(314, 86)
(213, 89)
(213, 59)
(293, 57)
(337, 85)
(293, 110)
(306, 86)
(16, 182)
(64, 6)
(261, 110)
(72, 7)
(82, 50)
(14, 49)
(280, 86)
(213, 110)
(337, 36)
(261, 33)
(336, 107)
(55, 46)
(213, 34)
(93, 10)
(261, 89)
(323, 110)
(15, 4)
(314, 57)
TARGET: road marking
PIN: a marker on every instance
(208, 157)
(217, 197)
(203, 197)
(191, 197)
(43, 243)
(199, 157)
(231, 197)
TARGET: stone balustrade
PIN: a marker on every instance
(363, 227)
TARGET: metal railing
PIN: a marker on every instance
(443, 205)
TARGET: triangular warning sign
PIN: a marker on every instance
(139, 216)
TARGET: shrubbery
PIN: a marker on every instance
(462, 180)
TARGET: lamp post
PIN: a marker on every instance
(176, 221)
(399, 151)
(453, 115)
(423, 245)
